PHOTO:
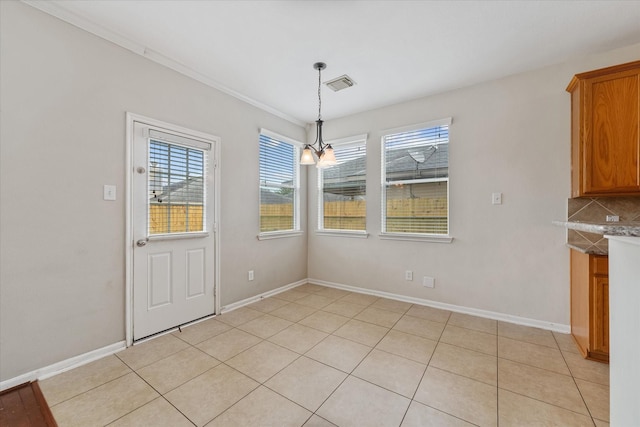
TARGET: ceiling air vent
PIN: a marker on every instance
(340, 83)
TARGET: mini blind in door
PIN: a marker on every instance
(177, 184)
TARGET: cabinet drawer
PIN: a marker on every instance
(601, 265)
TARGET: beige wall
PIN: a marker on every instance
(510, 135)
(64, 94)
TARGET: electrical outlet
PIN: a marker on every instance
(408, 275)
(613, 218)
(250, 275)
(428, 282)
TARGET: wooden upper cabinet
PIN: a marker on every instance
(605, 131)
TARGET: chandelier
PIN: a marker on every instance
(318, 150)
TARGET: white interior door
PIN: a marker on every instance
(173, 229)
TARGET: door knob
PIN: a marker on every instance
(142, 242)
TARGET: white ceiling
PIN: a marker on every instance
(263, 51)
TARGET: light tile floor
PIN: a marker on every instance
(317, 356)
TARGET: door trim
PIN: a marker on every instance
(130, 119)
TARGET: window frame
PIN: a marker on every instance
(416, 237)
(297, 146)
(320, 230)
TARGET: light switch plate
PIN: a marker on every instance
(496, 198)
(109, 192)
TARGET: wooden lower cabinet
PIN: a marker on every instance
(590, 304)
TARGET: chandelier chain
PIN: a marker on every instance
(319, 97)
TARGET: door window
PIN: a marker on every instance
(176, 185)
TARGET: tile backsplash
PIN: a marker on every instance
(596, 210)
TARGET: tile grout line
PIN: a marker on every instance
(422, 378)
(93, 388)
(163, 395)
(223, 362)
(242, 373)
(349, 374)
(370, 351)
(547, 403)
(297, 358)
(591, 200)
(453, 373)
(160, 396)
(576, 384)
(300, 356)
(542, 401)
(357, 365)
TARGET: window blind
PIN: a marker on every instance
(176, 188)
(171, 138)
(416, 181)
(342, 189)
(279, 167)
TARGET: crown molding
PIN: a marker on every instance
(56, 9)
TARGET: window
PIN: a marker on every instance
(176, 186)
(279, 183)
(342, 204)
(415, 174)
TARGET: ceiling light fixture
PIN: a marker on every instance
(323, 152)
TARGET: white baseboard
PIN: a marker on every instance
(83, 359)
(229, 307)
(65, 365)
(556, 327)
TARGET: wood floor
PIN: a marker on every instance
(25, 406)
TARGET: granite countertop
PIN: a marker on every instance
(631, 228)
(598, 245)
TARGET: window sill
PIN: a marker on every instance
(343, 233)
(430, 238)
(279, 234)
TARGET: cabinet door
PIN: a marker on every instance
(580, 300)
(600, 316)
(611, 134)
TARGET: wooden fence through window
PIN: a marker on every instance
(403, 215)
(166, 218)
